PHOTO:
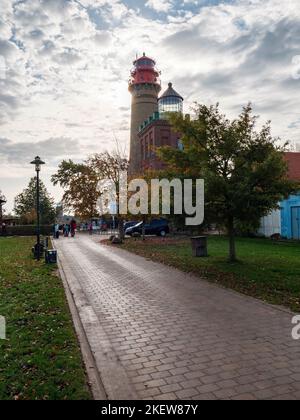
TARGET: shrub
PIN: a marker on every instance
(27, 230)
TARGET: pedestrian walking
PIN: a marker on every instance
(56, 231)
(67, 230)
(91, 228)
(73, 228)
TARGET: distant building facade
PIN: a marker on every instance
(144, 86)
(150, 128)
(286, 220)
(11, 220)
(156, 131)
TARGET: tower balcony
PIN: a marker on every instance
(133, 81)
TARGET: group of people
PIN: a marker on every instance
(67, 229)
(88, 227)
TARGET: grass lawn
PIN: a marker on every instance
(267, 270)
(41, 358)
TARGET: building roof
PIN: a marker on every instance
(170, 92)
(293, 160)
(153, 123)
(144, 57)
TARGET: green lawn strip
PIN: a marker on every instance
(266, 270)
(41, 358)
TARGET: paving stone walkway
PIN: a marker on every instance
(157, 333)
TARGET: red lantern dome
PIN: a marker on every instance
(144, 72)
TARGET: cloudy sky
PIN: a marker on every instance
(64, 67)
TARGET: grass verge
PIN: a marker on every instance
(267, 270)
(41, 358)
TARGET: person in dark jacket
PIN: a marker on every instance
(73, 227)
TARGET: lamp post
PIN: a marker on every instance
(38, 163)
(2, 202)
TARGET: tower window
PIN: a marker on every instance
(180, 145)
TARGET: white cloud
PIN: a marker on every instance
(95, 3)
(159, 5)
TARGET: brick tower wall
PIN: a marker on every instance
(144, 104)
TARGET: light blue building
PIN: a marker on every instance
(285, 221)
(290, 217)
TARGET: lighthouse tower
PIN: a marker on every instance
(144, 86)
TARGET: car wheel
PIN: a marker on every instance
(163, 233)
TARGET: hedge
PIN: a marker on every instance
(27, 230)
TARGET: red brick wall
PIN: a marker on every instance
(293, 160)
(157, 134)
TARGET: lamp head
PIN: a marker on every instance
(38, 163)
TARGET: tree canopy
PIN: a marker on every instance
(244, 170)
(3, 198)
(25, 204)
(80, 181)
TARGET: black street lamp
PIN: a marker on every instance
(38, 163)
(2, 202)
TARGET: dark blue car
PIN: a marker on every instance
(159, 227)
(129, 225)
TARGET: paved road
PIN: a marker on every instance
(157, 333)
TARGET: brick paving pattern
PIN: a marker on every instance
(178, 337)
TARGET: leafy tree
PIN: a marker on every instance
(2, 197)
(80, 181)
(244, 170)
(25, 204)
(108, 166)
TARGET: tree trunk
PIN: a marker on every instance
(121, 229)
(231, 234)
(120, 218)
(143, 229)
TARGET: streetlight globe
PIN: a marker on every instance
(38, 163)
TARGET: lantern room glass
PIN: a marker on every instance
(146, 62)
(170, 104)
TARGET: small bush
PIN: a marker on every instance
(27, 230)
